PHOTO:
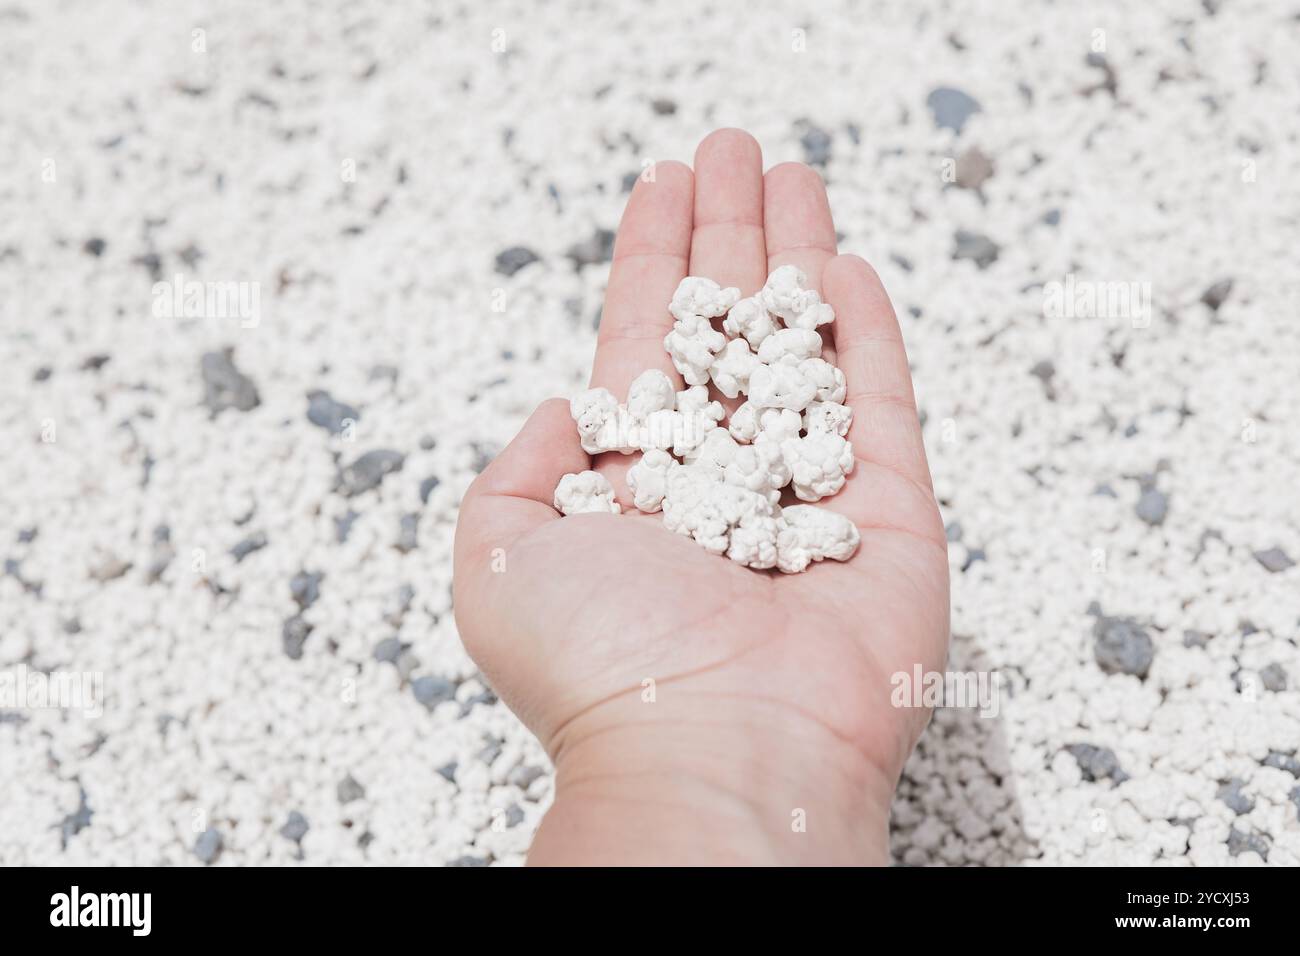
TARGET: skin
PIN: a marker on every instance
(696, 711)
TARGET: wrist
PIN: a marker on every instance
(731, 782)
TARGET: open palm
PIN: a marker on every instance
(583, 622)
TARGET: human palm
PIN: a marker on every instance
(605, 631)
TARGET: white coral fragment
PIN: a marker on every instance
(825, 378)
(691, 345)
(750, 320)
(697, 504)
(648, 479)
(819, 464)
(828, 417)
(787, 295)
(813, 317)
(587, 492)
(701, 298)
(651, 391)
(790, 346)
(760, 467)
(811, 534)
(732, 368)
(781, 386)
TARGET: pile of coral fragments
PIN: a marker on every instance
(721, 482)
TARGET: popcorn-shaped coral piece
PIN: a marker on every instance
(819, 464)
(750, 320)
(732, 368)
(701, 298)
(587, 492)
(648, 479)
(811, 534)
(786, 294)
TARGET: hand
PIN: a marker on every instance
(698, 711)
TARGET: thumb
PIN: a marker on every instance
(514, 494)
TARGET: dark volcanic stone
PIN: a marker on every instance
(1122, 646)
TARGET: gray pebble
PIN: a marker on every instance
(483, 455)
(426, 488)
(514, 815)
(1274, 677)
(408, 537)
(208, 846)
(469, 861)
(597, 249)
(1230, 793)
(1152, 506)
(94, 246)
(1294, 797)
(523, 777)
(448, 772)
(975, 246)
(1195, 639)
(1052, 217)
(254, 542)
(951, 108)
(1274, 560)
(380, 372)
(388, 650)
(816, 143)
(110, 569)
(510, 261)
(407, 664)
(973, 169)
(76, 821)
(972, 556)
(343, 526)
(294, 635)
(432, 691)
(1217, 294)
(349, 790)
(368, 471)
(224, 386)
(663, 107)
(1104, 491)
(295, 828)
(401, 603)
(304, 588)
(1240, 842)
(1097, 763)
(1122, 646)
(1282, 761)
(323, 410)
(953, 532)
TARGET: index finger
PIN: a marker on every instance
(650, 258)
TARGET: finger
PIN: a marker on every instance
(799, 228)
(515, 493)
(727, 244)
(886, 428)
(650, 259)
